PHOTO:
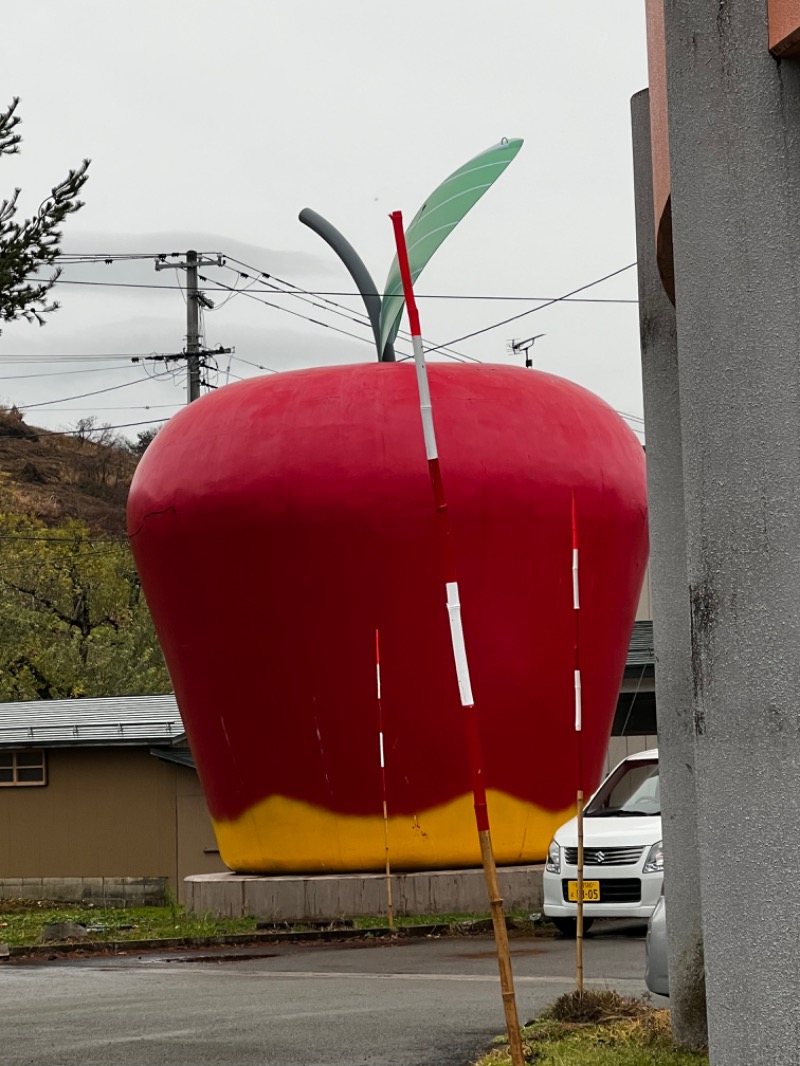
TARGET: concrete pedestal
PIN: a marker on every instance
(292, 899)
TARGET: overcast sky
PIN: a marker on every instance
(211, 124)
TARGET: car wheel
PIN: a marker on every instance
(568, 927)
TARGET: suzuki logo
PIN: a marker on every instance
(600, 857)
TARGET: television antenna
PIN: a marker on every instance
(515, 347)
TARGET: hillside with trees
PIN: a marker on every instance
(83, 473)
(73, 620)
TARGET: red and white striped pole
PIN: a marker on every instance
(389, 907)
(453, 602)
(576, 607)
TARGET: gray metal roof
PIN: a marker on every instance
(118, 720)
(181, 756)
(151, 719)
(641, 651)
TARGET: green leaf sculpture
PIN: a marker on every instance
(436, 219)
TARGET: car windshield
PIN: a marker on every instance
(631, 791)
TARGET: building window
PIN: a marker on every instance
(21, 768)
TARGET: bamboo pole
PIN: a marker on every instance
(389, 906)
(579, 919)
(576, 606)
(460, 658)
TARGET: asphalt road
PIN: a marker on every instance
(408, 1003)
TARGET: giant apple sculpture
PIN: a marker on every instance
(279, 522)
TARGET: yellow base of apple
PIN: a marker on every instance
(287, 836)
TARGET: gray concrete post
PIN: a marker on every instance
(671, 619)
(734, 126)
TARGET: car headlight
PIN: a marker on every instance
(655, 859)
(553, 864)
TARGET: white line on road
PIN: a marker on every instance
(196, 1034)
(138, 1038)
(320, 975)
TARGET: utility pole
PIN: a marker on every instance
(192, 329)
(194, 352)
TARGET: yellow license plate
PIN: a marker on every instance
(591, 891)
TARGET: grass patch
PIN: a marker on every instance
(598, 1007)
(22, 922)
(382, 921)
(599, 1029)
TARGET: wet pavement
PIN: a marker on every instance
(384, 1003)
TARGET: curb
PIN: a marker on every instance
(115, 947)
(73, 947)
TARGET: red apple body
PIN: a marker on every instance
(278, 523)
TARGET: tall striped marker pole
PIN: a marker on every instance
(460, 656)
(389, 907)
(576, 607)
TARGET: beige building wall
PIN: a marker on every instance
(644, 611)
(108, 812)
(197, 846)
(620, 747)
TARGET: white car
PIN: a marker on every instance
(623, 857)
(656, 973)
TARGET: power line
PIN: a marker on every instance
(62, 373)
(83, 433)
(73, 258)
(295, 314)
(117, 284)
(445, 348)
(530, 311)
(299, 294)
(238, 292)
(258, 366)
(346, 293)
(130, 407)
(336, 308)
(121, 425)
(72, 357)
(229, 374)
(83, 395)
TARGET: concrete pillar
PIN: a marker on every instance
(734, 126)
(671, 618)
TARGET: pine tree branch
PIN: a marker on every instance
(9, 120)
(33, 245)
